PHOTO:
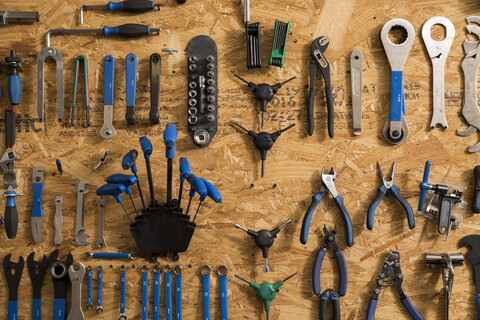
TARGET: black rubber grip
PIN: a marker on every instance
(323, 309)
(133, 30)
(336, 309)
(11, 222)
(476, 190)
(310, 113)
(10, 126)
(130, 115)
(330, 112)
(137, 6)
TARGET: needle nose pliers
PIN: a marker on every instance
(328, 184)
(382, 191)
(323, 304)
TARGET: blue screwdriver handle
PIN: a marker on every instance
(169, 138)
(406, 206)
(133, 6)
(130, 30)
(12, 310)
(145, 296)
(223, 298)
(14, 88)
(59, 309)
(37, 210)
(131, 84)
(197, 185)
(129, 161)
(156, 295)
(147, 147)
(372, 306)
(108, 80)
(36, 309)
(206, 296)
(382, 191)
(308, 217)
(168, 296)
(125, 179)
(347, 222)
(424, 186)
(114, 190)
(212, 192)
(184, 168)
(178, 296)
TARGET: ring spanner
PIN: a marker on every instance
(156, 292)
(222, 276)
(167, 270)
(123, 282)
(205, 271)
(144, 293)
(178, 292)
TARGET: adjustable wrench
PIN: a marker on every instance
(76, 277)
(80, 235)
(438, 52)
(58, 220)
(102, 202)
(396, 129)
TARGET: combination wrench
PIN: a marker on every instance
(205, 271)
(177, 270)
(156, 292)
(89, 288)
(222, 276)
(100, 290)
(76, 277)
(102, 202)
(80, 236)
(144, 293)
(167, 270)
(123, 282)
(396, 129)
(438, 53)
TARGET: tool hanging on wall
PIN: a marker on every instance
(476, 190)
(89, 288)
(101, 202)
(132, 6)
(167, 271)
(473, 241)
(58, 270)
(264, 92)
(36, 271)
(11, 214)
(147, 149)
(155, 76)
(252, 33)
(102, 160)
(58, 220)
(99, 290)
(264, 141)
(80, 235)
(205, 273)
(110, 255)
(131, 87)
(222, 278)
(123, 291)
(114, 190)
(202, 90)
(356, 72)
(108, 131)
(19, 17)
(80, 59)
(280, 35)
(76, 278)
(156, 291)
(36, 220)
(129, 162)
(13, 280)
(446, 261)
(144, 292)
(177, 270)
(318, 60)
(59, 166)
(264, 239)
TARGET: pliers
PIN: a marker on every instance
(342, 265)
(324, 302)
(382, 191)
(328, 184)
(317, 59)
(391, 275)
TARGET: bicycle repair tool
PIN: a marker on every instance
(324, 301)
(123, 286)
(342, 265)
(129, 162)
(36, 271)
(388, 185)
(144, 292)
(59, 272)
(184, 174)
(212, 193)
(266, 291)
(280, 35)
(80, 235)
(264, 239)
(89, 290)
(156, 292)
(252, 33)
(133, 6)
(11, 214)
(263, 141)
(476, 190)
(155, 76)
(76, 277)
(108, 131)
(396, 129)
(37, 210)
(58, 220)
(169, 138)
(147, 149)
(19, 17)
(50, 54)
(202, 90)
(59, 166)
(127, 181)
(264, 92)
(441, 204)
(80, 59)
(205, 272)
(356, 72)
(196, 186)
(13, 280)
(177, 270)
(391, 275)
(101, 202)
(438, 52)
(318, 60)
(167, 270)
(473, 241)
(222, 277)
(111, 255)
(446, 261)
(114, 190)
(328, 184)
(100, 290)
(131, 85)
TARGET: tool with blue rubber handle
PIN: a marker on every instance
(123, 289)
(59, 272)
(169, 138)
(100, 290)
(324, 297)
(114, 190)
(89, 288)
(37, 210)
(205, 271)
(196, 186)
(147, 149)
(131, 85)
(108, 130)
(167, 270)
(212, 193)
(184, 174)
(473, 241)
(11, 214)
(144, 293)
(177, 270)
(36, 271)
(13, 280)
(132, 6)
(156, 292)
(111, 255)
(129, 162)
(127, 181)
(222, 277)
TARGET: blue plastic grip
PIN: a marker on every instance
(184, 168)
(212, 191)
(109, 31)
(14, 88)
(342, 271)
(129, 161)
(37, 309)
(223, 298)
(178, 297)
(411, 309)
(168, 296)
(123, 287)
(12, 310)
(372, 306)
(113, 255)
(317, 266)
(10, 200)
(424, 186)
(59, 309)
(477, 303)
(156, 295)
(37, 210)
(169, 138)
(108, 80)
(100, 288)
(346, 220)
(114, 190)
(145, 296)
(90, 285)
(308, 217)
(382, 191)
(146, 147)
(131, 78)
(206, 297)
(112, 6)
(406, 206)
(397, 96)
(197, 185)
(125, 179)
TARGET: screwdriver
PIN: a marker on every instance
(11, 215)
(114, 190)
(212, 193)
(196, 185)
(184, 174)
(147, 152)
(169, 138)
(129, 162)
(127, 181)
(133, 6)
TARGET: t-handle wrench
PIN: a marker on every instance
(147, 149)
(169, 138)
(129, 162)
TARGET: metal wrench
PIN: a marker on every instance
(89, 289)
(123, 280)
(100, 290)
(438, 52)
(396, 129)
(76, 277)
(58, 220)
(80, 235)
(102, 202)
(56, 55)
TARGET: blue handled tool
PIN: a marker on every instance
(212, 191)
(89, 289)
(476, 190)
(123, 289)
(131, 78)
(37, 210)
(13, 280)
(424, 186)
(147, 149)
(107, 131)
(222, 277)
(169, 138)
(156, 292)
(100, 290)
(111, 255)
(184, 174)
(178, 291)
(127, 181)
(323, 304)
(133, 6)
(342, 265)
(80, 59)
(144, 293)
(11, 214)
(196, 186)
(205, 271)
(473, 241)
(129, 162)
(36, 271)
(395, 190)
(114, 190)
(328, 184)
(59, 166)
(168, 292)
(58, 270)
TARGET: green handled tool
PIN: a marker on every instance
(81, 58)
(277, 56)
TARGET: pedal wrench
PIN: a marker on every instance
(58, 220)
(438, 52)
(123, 280)
(396, 129)
(59, 273)
(80, 235)
(56, 55)
(102, 202)
(76, 277)
(36, 271)
(13, 280)
(108, 131)
(100, 290)
(89, 288)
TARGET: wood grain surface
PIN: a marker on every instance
(231, 162)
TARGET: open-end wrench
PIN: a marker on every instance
(80, 235)
(90, 284)
(102, 202)
(100, 290)
(76, 277)
(396, 129)
(54, 54)
(438, 52)
(58, 220)
(123, 281)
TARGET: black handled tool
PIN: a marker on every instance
(132, 6)
(155, 72)
(13, 280)
(324, 301)
(36, 270)
(476, 190)
(473, 241)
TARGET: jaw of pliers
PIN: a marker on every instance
(13, 279)
(324, 301)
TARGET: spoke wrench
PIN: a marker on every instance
(59, 273)
(36, 270)
(13, 280)
(80, 235)
(76, 277)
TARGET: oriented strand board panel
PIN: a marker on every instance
(293, 165)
